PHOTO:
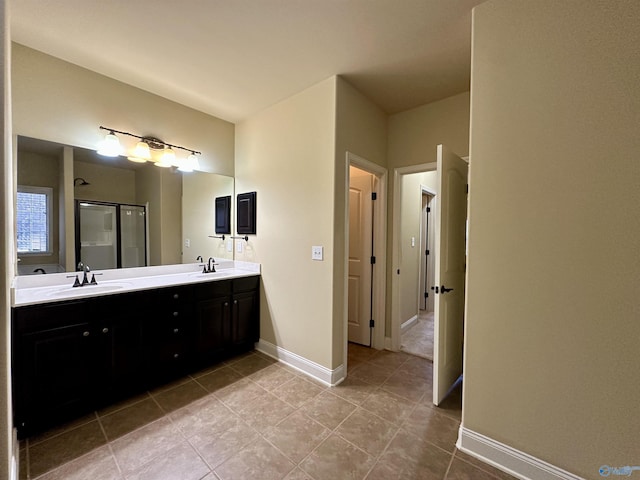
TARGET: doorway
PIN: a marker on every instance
(365, 245)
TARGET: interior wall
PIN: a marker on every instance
(7, 247)
(286, 154)
(410, 228)
(551, 350)
(413, 137)
(171, 217)
(361, 128)
(199, 193)
(43, 171)
(102, 181)
(57, 101)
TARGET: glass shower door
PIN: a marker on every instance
(98, 235)
(133, 236)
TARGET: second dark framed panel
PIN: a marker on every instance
(246, 213)
(223, 215)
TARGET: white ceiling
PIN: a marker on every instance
(232, 58)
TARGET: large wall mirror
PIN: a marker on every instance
(75, 205)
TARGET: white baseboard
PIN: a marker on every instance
(318, 372)
(408, 324)
(503, 457)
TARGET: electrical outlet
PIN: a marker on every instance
(317, 253)
(413, 241)
(239, 246)
(229, 245)
(187, 242)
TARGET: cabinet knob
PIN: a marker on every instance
(105, 330)
(176, 355)
(175, 314)
(235, 302)
(175, 330)
(226, 304)
(85, 334)
(176, 296)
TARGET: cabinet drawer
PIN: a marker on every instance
(205, 291)
(35, 318)
(245, 284)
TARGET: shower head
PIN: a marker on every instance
(80, 182)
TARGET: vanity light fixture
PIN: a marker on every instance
(110, 146)
(143, 151)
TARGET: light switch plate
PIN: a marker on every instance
(239, 246)
(187, 242)
(229, 245)
(317, 253)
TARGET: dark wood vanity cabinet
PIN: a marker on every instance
(71, 357)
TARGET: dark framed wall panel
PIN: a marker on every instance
(246, 213)
(223, 215)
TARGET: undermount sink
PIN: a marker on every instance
(88, 290)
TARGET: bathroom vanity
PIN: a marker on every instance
(76, 349)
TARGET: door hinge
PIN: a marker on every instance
(372, 323)
(374, 196)
(426, 295)
(428, 209)
(373, 260)
(426, 252)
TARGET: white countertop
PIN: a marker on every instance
(55, 287)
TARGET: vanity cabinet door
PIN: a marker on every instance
(118, 329)
(245, 319)
(54, 364)
(212, 334)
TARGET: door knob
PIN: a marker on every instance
(444, 289)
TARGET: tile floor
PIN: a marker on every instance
(418, 339)
(253, 418)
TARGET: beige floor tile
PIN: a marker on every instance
(184, 394)
(251, 364)
(297, 435)
(180, 463)
(461, 470)
(418, 367)
(65, 447)
(96, 465)
(217, 447)
(272, 377)
(205, 416)
(238, 394)
(297, 391)
(130, 418)
(414, 457)
(461, 456)
(143, 445)
(218, 379)
(360, 352)
(354, 390)
(388, 359)
(328, 409)
(336, 459)
(264, 411)
(298, 474)
(367, 431)
(389, 406)
(258, 459)
(407, 386)
(124, 403)
(370, 373)
(426, 423)
(65, 427)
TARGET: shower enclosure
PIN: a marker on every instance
(111, 235)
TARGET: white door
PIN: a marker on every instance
(451, 217)
(360, 251)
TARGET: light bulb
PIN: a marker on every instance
(110, 146)
(190, 164)
(167, 159)
(141, 153)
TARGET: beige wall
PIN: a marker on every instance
(199, 193)
(108, 184)
(38, 170)
(286, 154)
(7, 246)
(413, 137)
(61, 102)
(361, 129)
(411, 257)
(551, 352)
